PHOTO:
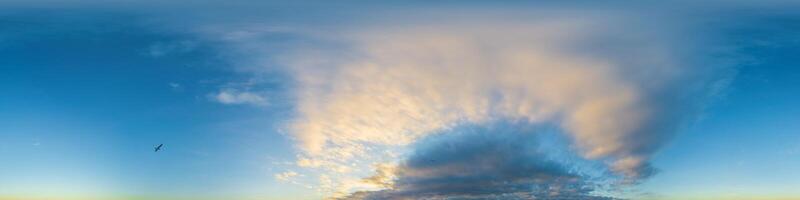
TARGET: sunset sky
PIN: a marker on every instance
(272, 100)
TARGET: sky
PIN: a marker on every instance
(399, 100)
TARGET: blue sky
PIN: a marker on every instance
(274, 100)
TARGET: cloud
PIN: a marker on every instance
(232, 97)
(161, 49)
(619, 88)
(175, 86)
(501, 162)
(286, 176)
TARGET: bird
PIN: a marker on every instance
(158, 147)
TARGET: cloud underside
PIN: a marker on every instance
(482, 163)
(617, 92)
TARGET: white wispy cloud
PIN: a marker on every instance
(229, 96)
(286, 176)
(175, 86)
(161, 49)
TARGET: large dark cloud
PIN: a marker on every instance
(498, 162)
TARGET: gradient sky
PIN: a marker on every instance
(275, 100)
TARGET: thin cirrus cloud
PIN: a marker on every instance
(617, 87)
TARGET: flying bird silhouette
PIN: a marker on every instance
(158, 147)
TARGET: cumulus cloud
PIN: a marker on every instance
(617, 87)
(238, 97)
